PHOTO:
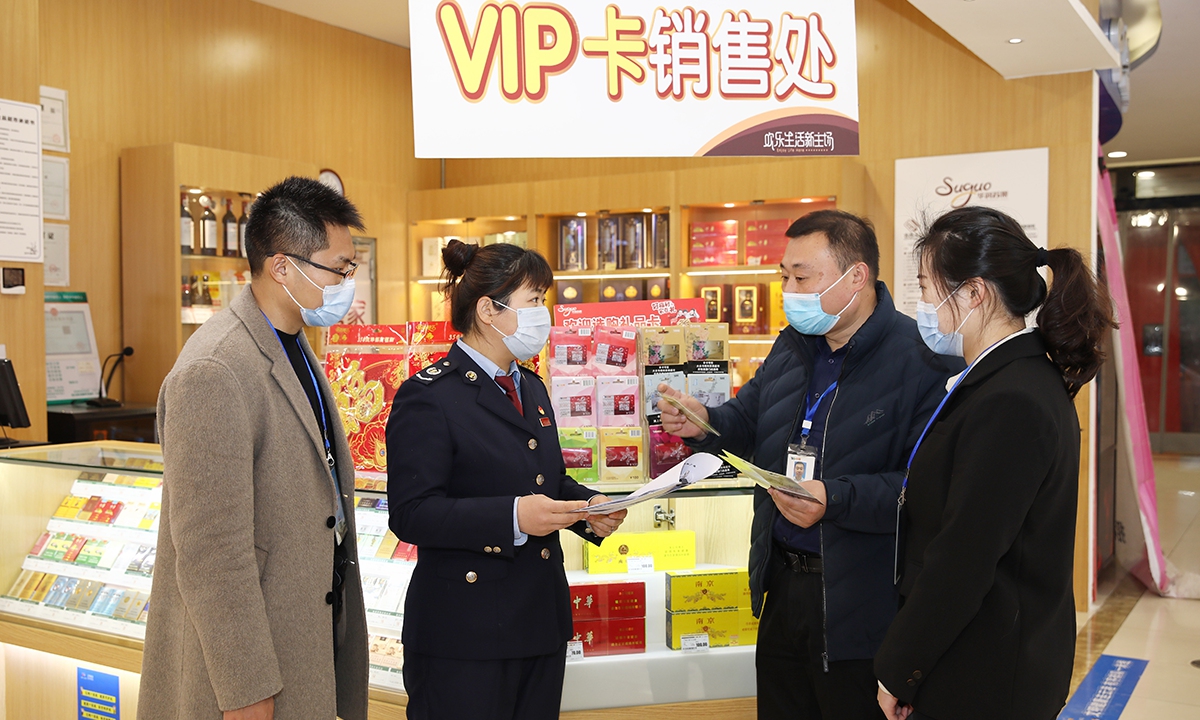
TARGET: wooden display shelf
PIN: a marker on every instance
(721, 270)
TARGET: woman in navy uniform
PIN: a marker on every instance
(986, 629)
(476, 481)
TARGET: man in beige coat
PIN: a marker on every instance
(257, 603)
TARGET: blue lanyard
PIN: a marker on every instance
(933, 418)
(810, 411)
(316, 388)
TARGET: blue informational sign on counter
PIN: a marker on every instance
(1103, 693)
(99, 695)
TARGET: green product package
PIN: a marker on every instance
(581, 453)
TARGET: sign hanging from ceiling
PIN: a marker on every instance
(634, 78)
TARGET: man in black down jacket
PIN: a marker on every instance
(826, 571)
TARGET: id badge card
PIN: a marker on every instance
(801, 462)
(898, 557)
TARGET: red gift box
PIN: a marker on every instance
(618, 636)
(765, 241)
(605, 601)
(714, 243)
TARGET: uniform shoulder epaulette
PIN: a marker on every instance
(436, 371)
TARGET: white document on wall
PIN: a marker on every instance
(20, 182)
(1016, 182)
(55, 133)
(57, 263)
(56, 188)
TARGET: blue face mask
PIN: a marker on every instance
(950, 343)
(335, 301)
(805, 314)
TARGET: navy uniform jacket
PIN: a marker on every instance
(458, 453)
(987, 629)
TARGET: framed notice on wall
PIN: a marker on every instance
(634, 78)
(1016, 182)
(20, 182)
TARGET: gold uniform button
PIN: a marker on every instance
(471, 375)
(532, 444)
(472, 577)
(545, 553)
(487, 548)
(496, 550)
(540, 479)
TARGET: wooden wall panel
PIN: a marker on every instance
(22, 330)
(226, 74)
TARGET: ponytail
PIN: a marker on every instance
(980, 242)
(1074, 319)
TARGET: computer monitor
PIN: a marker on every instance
(12, 405)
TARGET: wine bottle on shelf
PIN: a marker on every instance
(241, 227)
(187, 292)
(187, 226)
(205, 295)
(229, 230)
(208, 228)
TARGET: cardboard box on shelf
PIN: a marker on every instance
(766, 240)
(671, 550)
(714, 243)
(619, 636)
(605, 600)
(749, 309)
(725, 628)
(693, 590)
(718, 303)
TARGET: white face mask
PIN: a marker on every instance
(335, 301)
(533, 330)
(950, 343)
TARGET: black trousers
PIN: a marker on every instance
(520, 689)
(792, 682)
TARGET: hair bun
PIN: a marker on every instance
(457, 255)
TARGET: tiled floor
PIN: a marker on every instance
(1164, 631)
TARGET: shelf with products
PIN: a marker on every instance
(609, 255)
(168, 235)
(427, 239)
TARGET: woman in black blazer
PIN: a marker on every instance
(476, 481)
(986, 628)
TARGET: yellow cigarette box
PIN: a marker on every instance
(708, 590)
(671, 550)
(725, 628)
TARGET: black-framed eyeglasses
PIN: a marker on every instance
(342, 273)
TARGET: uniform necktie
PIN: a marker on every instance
(510, 389)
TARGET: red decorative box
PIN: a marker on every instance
(765, 241)
(604, 601)
(619, 636)
(714, 243)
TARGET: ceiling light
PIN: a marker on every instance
(729, 205)
(1181, 292)
(806, 200)
(1161, 286)
(647, 210)
(512, 218)
(1117, 154)
(580, 214)
(1145, 174)
(1014, 41)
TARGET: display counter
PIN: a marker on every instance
(77, 551)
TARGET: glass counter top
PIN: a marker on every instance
(145, 459)
(127, 458)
